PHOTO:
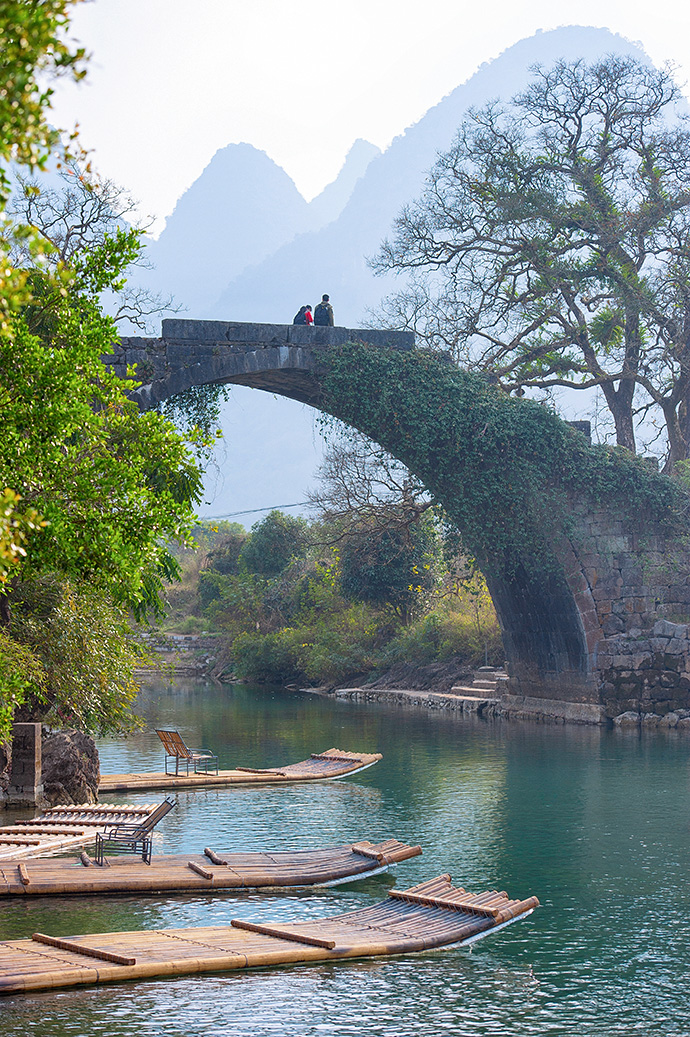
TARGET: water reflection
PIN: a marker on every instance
(593, 822)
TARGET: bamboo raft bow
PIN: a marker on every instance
(208, 871)
(333, 763)
(426, 917)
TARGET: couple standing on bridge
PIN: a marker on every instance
(323, 314)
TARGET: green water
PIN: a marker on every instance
(595, 823)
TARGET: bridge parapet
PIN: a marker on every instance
(199, 352)
(242, 334)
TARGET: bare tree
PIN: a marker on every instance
(551, 245)
(364, 491)
(75, 213)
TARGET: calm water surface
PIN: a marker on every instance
(595, 823)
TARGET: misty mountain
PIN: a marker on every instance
(240, 210)
(328, 205)
(333, 259)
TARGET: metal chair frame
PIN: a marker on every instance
(132, 838)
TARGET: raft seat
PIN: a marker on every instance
(132, 838)
(202, 760)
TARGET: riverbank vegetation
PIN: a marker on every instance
(376, 579)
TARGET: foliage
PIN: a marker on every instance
(361, 486)
(33, 51)
(21, 676)
(236, 603)
(551, 246)
(300, 625)
(506, 470)
(271, 658)
(458, 629)
(94, 489)
(197, 408)
(74, 213)
(85, 653)
(110, 482)
(225, 558)
(209, 534)
(15, 529)
(326, 650)
(392, 568)
(273, 543)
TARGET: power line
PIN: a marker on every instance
(253, 511)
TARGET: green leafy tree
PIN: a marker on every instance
(73, 212)
(392, 568)
(15, 529)
(94, 490)
(551, 245)
(21, 677)
(225, 557)
(33, 52)
(112, 484)
(273, 543)
(82, 656)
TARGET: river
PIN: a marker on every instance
(594, 822)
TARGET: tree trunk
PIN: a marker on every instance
(677, 421)
(620, 404)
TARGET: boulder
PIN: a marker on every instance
(71, 770)
(628, 719)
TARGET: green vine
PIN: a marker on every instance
(507, 471)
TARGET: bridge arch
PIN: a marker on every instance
(576, 543)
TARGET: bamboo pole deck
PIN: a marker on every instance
(402, 924)
(333, 763)
(222, 870)
(65, 828)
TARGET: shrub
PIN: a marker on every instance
(271, 658)
(445, 635)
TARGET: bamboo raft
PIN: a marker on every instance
(424, 918)
(65, 828)
(333, 763)
(207, 871)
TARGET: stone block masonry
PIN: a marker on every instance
(26, 787)
(196, 352)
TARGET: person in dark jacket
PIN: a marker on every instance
(323, 314)
(301, 316)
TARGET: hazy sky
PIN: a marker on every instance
(171, 81)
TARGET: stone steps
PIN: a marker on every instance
(486, 680)
(468, 691)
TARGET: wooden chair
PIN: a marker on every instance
(132, 838)
(202, 760)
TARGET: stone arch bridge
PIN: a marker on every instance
(601, 630)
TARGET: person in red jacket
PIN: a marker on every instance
(309, 318)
